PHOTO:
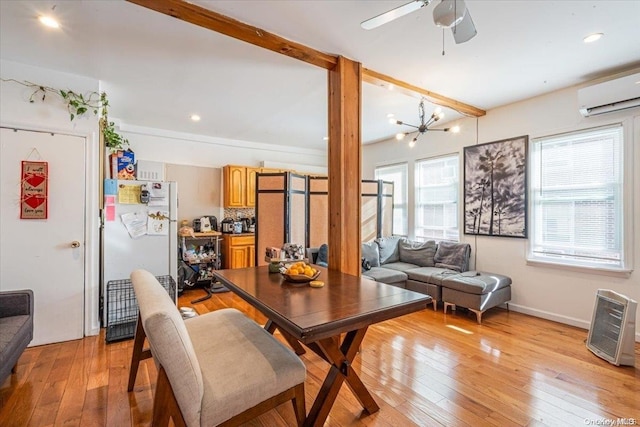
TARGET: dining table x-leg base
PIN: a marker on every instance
(340, 356)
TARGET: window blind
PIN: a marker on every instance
(436, 195)
(577, 186)
(397, 174)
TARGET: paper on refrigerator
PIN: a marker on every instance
(158, 222)
(136, 223)
(158, 194)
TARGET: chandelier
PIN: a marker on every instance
(424, 124)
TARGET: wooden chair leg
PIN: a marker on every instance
(138, 353)
(299, 404)
(165, 405)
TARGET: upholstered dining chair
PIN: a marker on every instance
(220, 368)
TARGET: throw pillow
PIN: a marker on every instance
(388, 247)
(454, 256)
(323, 255)
(418, 253)
(371, 253)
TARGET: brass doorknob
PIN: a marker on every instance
(75, 244)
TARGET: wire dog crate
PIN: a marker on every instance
(122, 307)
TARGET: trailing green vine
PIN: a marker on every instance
(78, 105)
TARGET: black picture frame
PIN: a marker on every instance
(495, 181)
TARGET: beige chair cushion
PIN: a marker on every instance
(170, 343)
(242, 364)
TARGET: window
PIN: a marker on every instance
(577, 199)
(398, 175)
(436, 190)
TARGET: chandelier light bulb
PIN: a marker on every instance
(440, 115)
(400, 136)
(455, 129)
(437, 111)
(413, 143)
(392, 120)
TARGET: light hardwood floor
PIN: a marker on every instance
(425, 369)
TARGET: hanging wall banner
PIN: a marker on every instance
(34, 190)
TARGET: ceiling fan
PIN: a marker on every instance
(447, 14)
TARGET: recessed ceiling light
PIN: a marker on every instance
(195, 117)
(593, 37)
(49, 21)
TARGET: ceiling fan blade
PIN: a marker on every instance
(392, 14)
(465, 30)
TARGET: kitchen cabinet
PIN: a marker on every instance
(251, 186)
(239, 186)
(239, 250)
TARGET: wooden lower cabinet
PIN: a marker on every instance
(239, 251)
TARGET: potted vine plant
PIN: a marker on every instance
(79, 104)
(112, 140)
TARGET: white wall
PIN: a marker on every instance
(563, 295)
(208, 151)
(51, 115)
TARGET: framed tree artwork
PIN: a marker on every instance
(495, 188)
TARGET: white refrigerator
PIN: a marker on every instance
(126, 245)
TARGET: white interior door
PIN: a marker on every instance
(38, 253)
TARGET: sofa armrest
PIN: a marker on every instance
(16, 303)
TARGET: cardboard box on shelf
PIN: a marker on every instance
(123, 165)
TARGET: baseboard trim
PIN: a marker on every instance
(572, 321)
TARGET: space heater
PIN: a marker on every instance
(612, 332)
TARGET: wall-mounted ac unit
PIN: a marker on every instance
(613, 326)
(613, 95)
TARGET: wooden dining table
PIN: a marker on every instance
(331, 321)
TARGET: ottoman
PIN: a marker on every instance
(477, 291)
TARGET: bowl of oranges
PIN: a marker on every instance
(299, 272)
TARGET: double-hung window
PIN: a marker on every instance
(398, 175)
(436, 190)
(577, 187)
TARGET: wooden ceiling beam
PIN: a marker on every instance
(211, 20)
(214, 21)
(379, 79)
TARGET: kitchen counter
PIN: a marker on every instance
(239, 250)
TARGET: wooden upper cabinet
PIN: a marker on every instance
(235, 186)
(240, 186)
(251, 186)
(271, 170)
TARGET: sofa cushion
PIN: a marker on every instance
(454, 256)
(371, 253)
(433, 275)
(477, 282)
(419, 253)
(400, 266)
(388, 247)
(386, 275)
(12, 329)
